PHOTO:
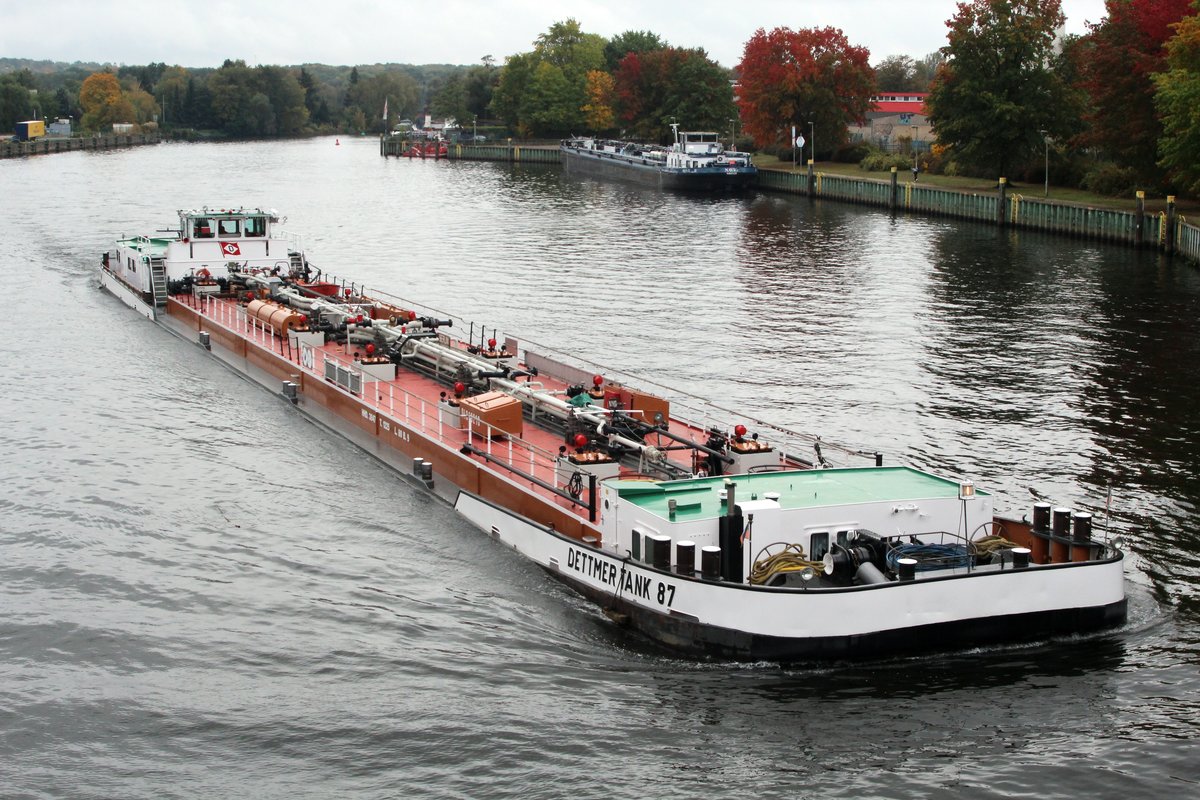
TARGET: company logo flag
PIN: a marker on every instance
(385, 109)
(230, 249)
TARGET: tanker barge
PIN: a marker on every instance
(695, 162)
(711, 532)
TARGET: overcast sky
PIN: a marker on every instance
(203, 33)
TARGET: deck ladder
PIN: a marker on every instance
(158, 281)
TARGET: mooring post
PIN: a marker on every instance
(1172, 220)
(1002, 202)
(812, 179)
(1139, 220)
(892, 199)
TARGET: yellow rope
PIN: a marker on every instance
(989, 545)
(790, 559)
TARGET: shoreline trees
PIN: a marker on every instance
(1116, 103)
(796, 77)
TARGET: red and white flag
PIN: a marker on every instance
(230, 249)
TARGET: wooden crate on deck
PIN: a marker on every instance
(497, 409)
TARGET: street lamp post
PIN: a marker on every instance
(733, 134)
(1046, 142)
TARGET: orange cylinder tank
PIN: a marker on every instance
(280, 318)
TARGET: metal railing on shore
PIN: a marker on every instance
(1165, 230)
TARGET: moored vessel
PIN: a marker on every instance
(695, 161)
(711, 531)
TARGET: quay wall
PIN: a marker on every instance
(55, 144)
(1166, 230)
(498, 151)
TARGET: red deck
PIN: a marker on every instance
(391, 409)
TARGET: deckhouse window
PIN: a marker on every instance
(203, 228)
(256, 226)
(230, 227)
(818, 545)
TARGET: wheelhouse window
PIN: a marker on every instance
(230, 227)
(202, 228)
(256, 226)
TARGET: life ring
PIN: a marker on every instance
(203, 273)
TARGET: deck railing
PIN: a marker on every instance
(387, 398)
(686, 408)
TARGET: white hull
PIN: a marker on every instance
(115, 286)
(763, 622)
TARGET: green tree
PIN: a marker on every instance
(628, 42)
(1177, 97)
(451, 100)
(347, 101)
(63, 106)
(567, 47)
(232, 87)
(286, 98)
(925, 69)
(544, 92)
(548, 106)
(323, 115)
(259, 101)
(309, 85)
(147, 77)
(16, 104)
(997, 89)
(896, 74)
(171, 93)
(197, 105)
(480, 83)
(145, 107)
(510, 88)
(354, 120)
(258, 116)
(368, 95)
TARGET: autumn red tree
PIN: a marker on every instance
(672, 83)
(1117, 58)
(791, 77)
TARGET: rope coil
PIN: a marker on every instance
(790, 559)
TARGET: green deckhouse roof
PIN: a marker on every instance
(699, 498)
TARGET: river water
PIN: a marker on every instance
(201, 594)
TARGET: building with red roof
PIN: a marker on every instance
(896, 119)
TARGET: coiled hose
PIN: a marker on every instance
(790, 559)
